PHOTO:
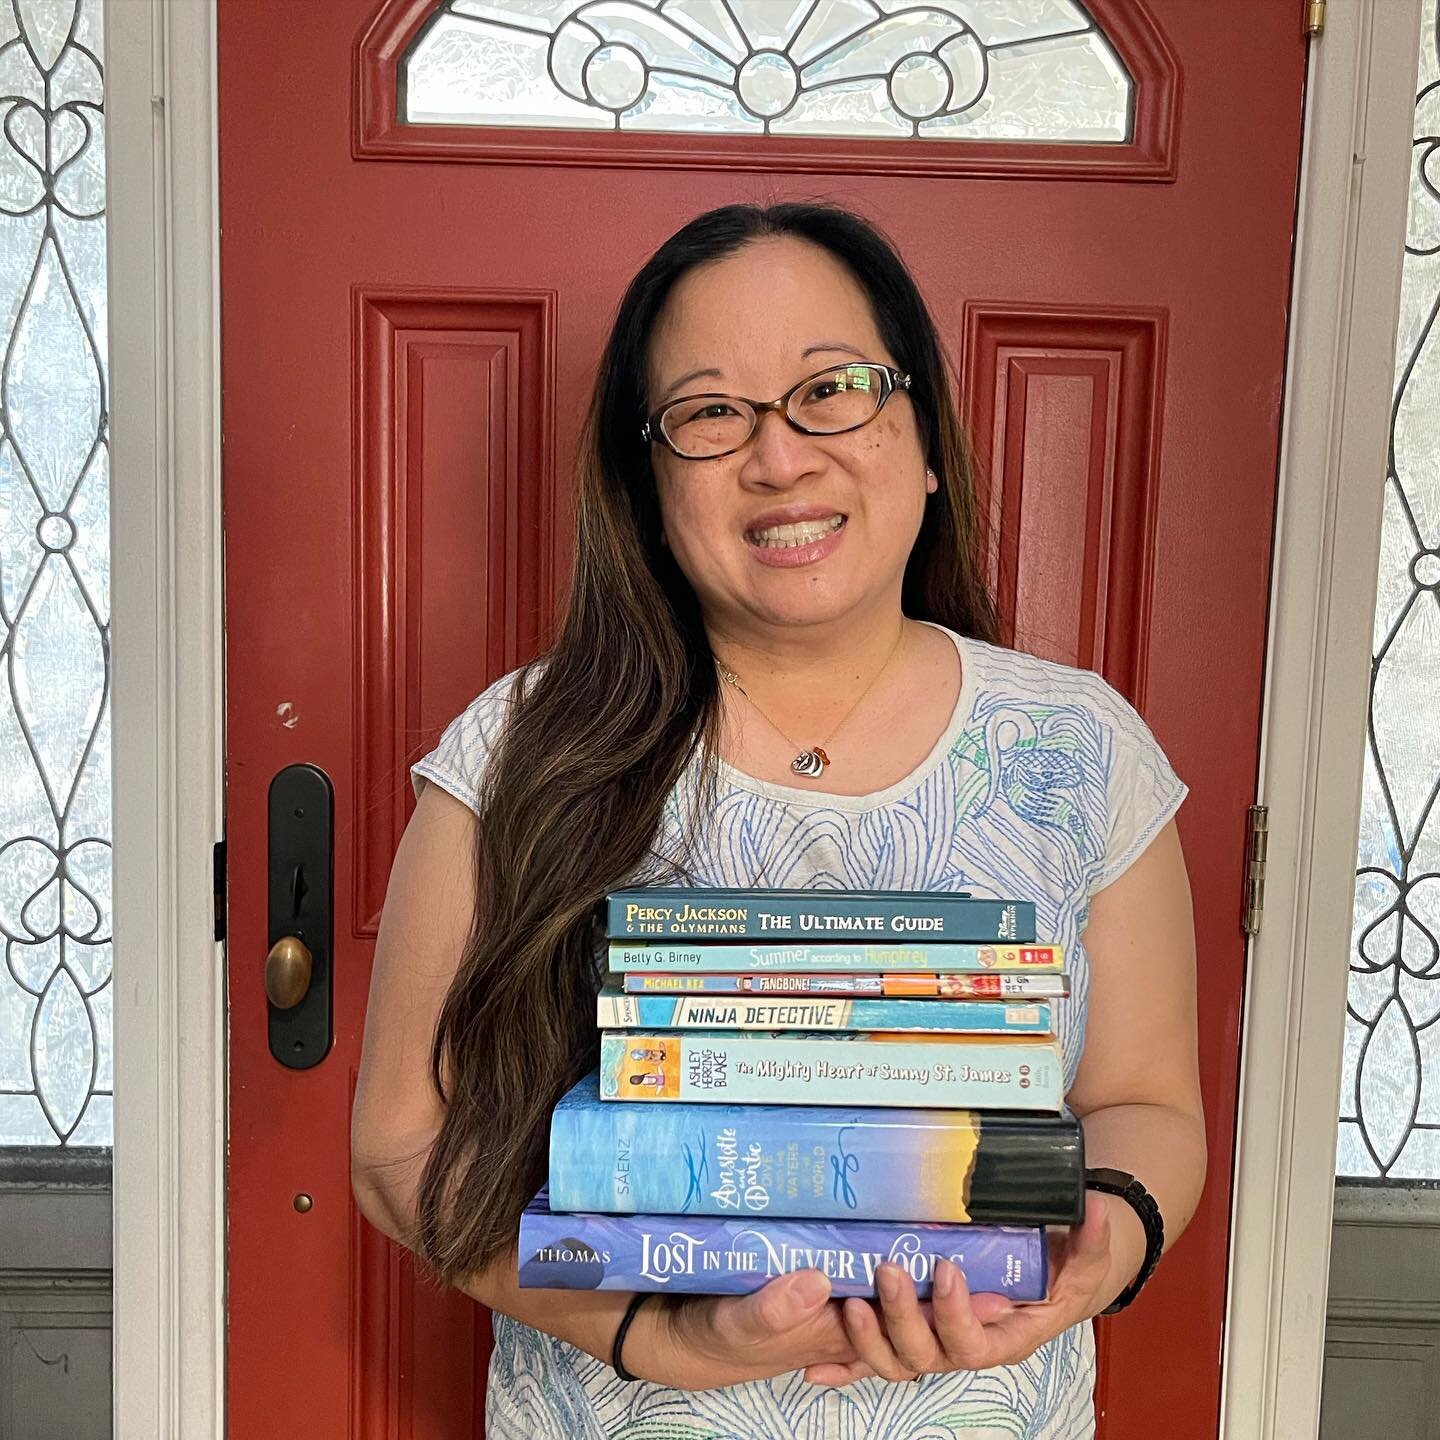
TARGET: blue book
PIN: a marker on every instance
(667, 912)
(845, 957)
(817, 1162)
(1007, 1072)
(703, 1255)
(618, 1011)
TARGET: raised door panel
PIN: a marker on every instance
(418, 1353)
(454, 541)
(1064, 410)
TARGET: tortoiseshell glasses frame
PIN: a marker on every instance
(714, 435)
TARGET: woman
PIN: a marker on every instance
(777, 667)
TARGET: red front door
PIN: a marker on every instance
(411, 317)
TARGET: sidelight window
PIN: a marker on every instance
(1390, 1087)
(55, 983)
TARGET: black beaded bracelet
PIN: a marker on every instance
(1125, 1186)
(616, 1363)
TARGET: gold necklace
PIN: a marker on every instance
(812, 759)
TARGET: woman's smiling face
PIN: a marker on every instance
(753, 324)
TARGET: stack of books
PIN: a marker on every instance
(794, 1078)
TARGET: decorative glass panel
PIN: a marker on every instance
(55, 995)
(1390, 1095)
(924, 69)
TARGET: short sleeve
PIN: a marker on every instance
(1142, 790)
(457, 763)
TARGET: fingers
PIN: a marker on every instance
(904, 1346)
(1092, 1235)
(1090, 1238)
(786, 1325)
(772, 1311)
(906, 1327)
(862, 1324)
(836, 1374)
(1082, 1261)
(989, 1308)
(896, 1339)
(962, 1334)
(1010, 1333)
(902, 1341)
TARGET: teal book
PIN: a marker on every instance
(845, 958)
(665, 912)
(618, 1011)
(835, 1068)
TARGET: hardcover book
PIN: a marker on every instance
(834, 1068)
(617, 1011)
(815, 1162)
(667, 912)
(705, 1255)
(956, 987)
(777, 955)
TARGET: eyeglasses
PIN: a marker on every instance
(830, 402)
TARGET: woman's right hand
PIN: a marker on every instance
(702, 1342)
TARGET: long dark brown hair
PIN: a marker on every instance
(601, 730)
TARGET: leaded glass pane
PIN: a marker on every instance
(1390, 1093)
(923, 69)
(55, 995)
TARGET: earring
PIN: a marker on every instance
(931, 483)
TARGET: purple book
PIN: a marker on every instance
(708, 1255)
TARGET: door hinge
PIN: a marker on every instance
(218, 875)
(1314, 18)
(1257, 840)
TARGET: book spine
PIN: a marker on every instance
(831, 1069)
(707, 1256)
(815, 1162)
(967, 1017)
(922, 986)
(839, 958)
(723, 914)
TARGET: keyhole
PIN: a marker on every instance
(298, 890)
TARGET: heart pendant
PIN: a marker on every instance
(810, 763)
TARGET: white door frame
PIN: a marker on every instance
(167, 644)
(1339, 380)
(167, 692)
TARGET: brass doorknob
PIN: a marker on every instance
(287, 972)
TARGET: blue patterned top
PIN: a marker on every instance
(1045, 786)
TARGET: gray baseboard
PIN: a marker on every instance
(1382, 1328)
(55, 1310)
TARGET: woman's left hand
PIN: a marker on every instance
(955, 1331)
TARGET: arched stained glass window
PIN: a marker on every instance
(1022, 70)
